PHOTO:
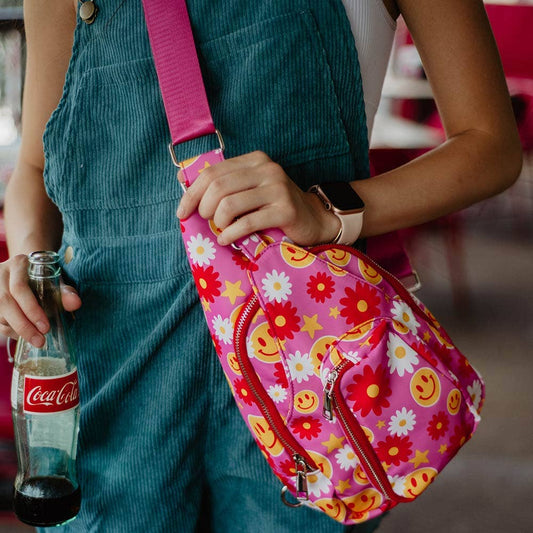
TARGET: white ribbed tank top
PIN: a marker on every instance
(373, 29)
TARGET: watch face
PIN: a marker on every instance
(342, 196)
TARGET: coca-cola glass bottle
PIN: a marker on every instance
(45, 407)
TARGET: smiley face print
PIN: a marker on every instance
(417, 481)
(338, 256)
(361, 504)
(333, 508)
(319, 350)
(369, 273)
(425, 387)
(265, 434)
(306, 402)
(263, 345)
(295, 256)
(453, 402)
(234, 363)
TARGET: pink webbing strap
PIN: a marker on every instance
(178, 70)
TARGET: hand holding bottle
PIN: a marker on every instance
(20, 313)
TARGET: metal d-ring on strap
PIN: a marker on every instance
(175, 159)
(284, 492)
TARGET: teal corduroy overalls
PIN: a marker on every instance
(162, 447)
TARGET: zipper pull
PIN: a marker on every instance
(301, 478)
(327, 410)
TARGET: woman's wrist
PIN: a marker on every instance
(328, 223)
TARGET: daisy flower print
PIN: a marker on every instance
(475, 391)
(346, 458)
(402, 422)
(403, 314)
(402, 358)
(277, 393)
(201, 250)
(223, 329)
(300, 366)
(318, 484)
(277, 286)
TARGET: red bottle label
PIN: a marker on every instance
(51, 394)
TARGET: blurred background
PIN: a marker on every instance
(476, 272)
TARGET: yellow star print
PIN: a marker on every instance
(207, 165)
(343, 485)
(419, 458)
(311, 325)
(334, 312)
(380, 424)
(443, 448)
(206, 305)
(233, 291)
(333, 442)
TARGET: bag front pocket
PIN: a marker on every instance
(403, 413)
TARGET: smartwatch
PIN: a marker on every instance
(339, 198)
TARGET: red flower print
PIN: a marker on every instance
(288, 468)
(243, 391)
(394, 450)
(320, 287)
(460, 436)
(424, 351)
(438, 425)
(370, 390)
(281, 376)
(243, 262)
(207, 283)
(360, 304)
(307, 427)
(377, 334)
(284, 319)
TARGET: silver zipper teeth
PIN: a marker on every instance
(238, 333)
(362, 453)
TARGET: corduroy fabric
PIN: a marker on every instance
(162, 446)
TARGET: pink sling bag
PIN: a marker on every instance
(352, 390)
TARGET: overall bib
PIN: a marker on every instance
(162, 447)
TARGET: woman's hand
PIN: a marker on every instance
(20, 313)
(251, 193)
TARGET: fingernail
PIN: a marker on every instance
(41, 326)
(37, 341)
(180, 212)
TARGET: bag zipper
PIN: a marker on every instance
(333, 401)
(302, 461)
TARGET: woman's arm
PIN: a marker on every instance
(481, 156)
(32, 220)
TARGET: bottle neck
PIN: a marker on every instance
(44, 273)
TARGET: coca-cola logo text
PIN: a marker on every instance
(51, 394)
